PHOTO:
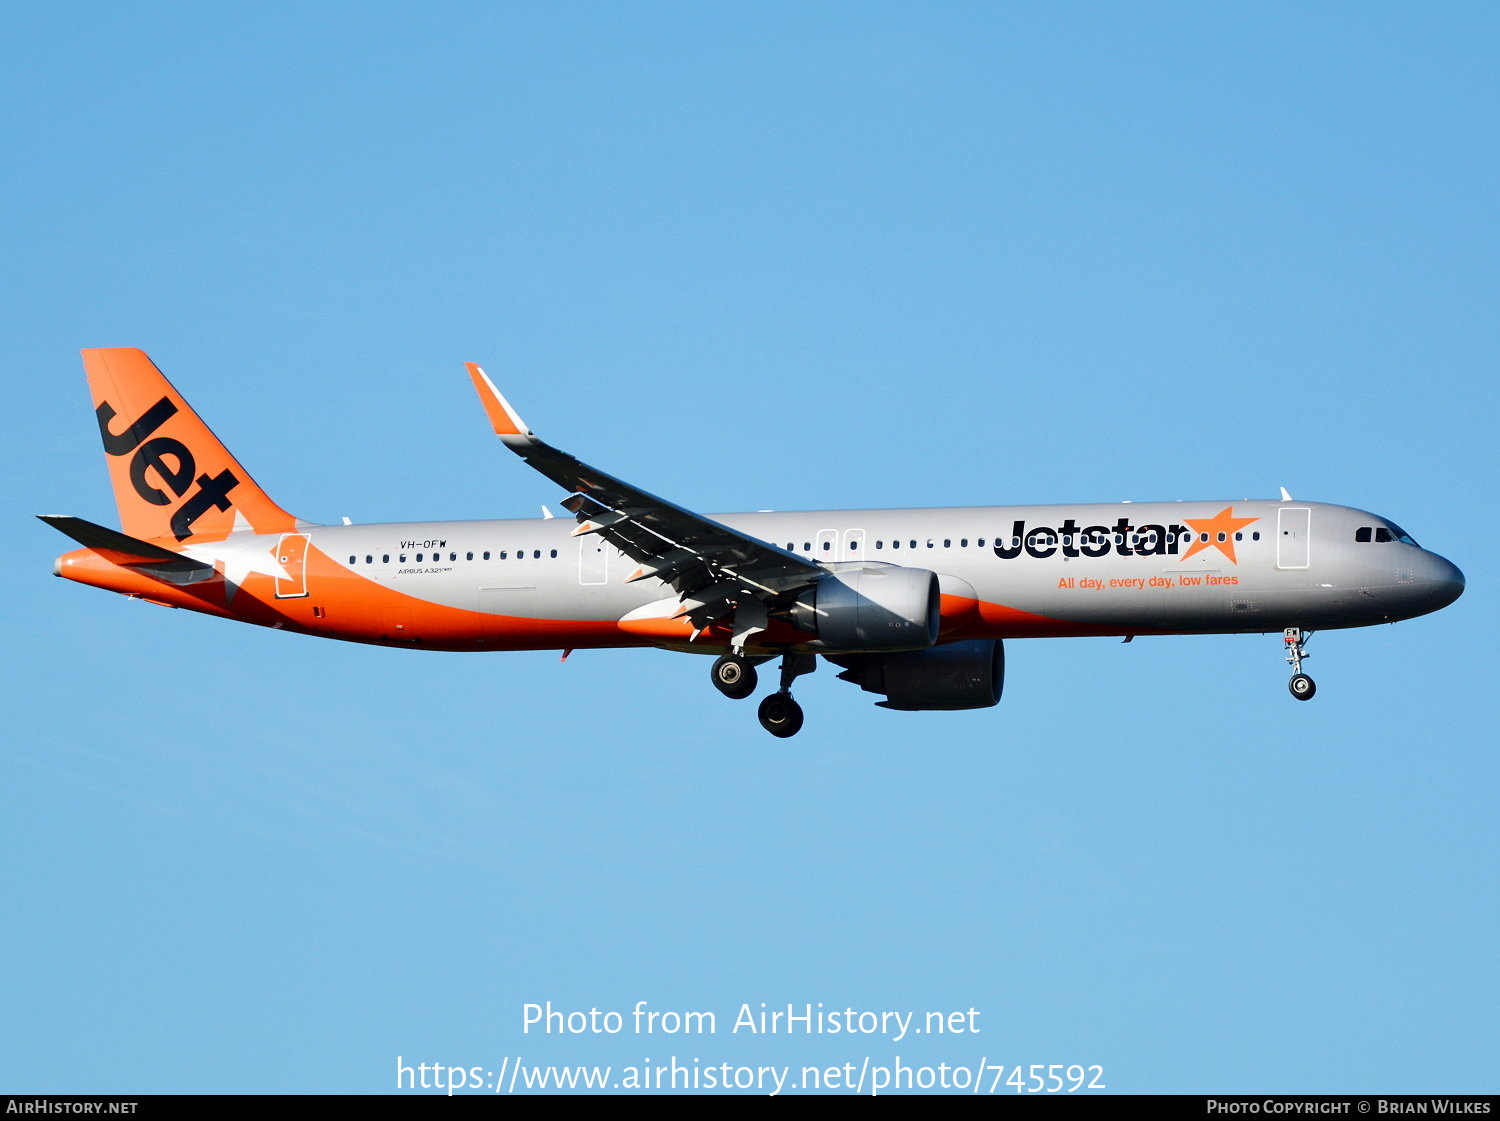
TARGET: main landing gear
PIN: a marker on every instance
(1301, 685)
(734, 675)
(780, 715)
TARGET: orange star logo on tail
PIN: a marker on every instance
(1217, 531)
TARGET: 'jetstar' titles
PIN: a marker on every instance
(1122, 538)
(1126, 540)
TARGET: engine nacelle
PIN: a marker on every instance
(871, 607)
(955, 676)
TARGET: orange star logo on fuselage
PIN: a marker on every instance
(1217, 531)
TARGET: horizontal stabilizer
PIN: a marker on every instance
(122, 549)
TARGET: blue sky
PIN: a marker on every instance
(748, 257)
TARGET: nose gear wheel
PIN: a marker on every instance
(1301, 686)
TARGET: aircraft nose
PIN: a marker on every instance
(1421, 582)
(1445, 583)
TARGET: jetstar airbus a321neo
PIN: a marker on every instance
(912, 605)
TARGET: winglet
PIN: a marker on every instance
(503, 419)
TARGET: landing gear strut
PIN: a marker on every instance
(1301, 685)
(779, 714)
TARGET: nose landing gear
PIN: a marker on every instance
(1301, 686)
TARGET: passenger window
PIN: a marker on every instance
(369, 560)
(554, 554)
(486, 554)
(385, 558)
(468, 556)
(352, 560)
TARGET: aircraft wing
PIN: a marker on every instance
(715, 570)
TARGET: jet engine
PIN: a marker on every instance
(871, 607)
(955, 676)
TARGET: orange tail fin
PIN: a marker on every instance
(172, 477)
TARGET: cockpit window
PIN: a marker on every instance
(1385, 534)
(1399, 534)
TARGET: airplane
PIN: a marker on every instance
(912, 605)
